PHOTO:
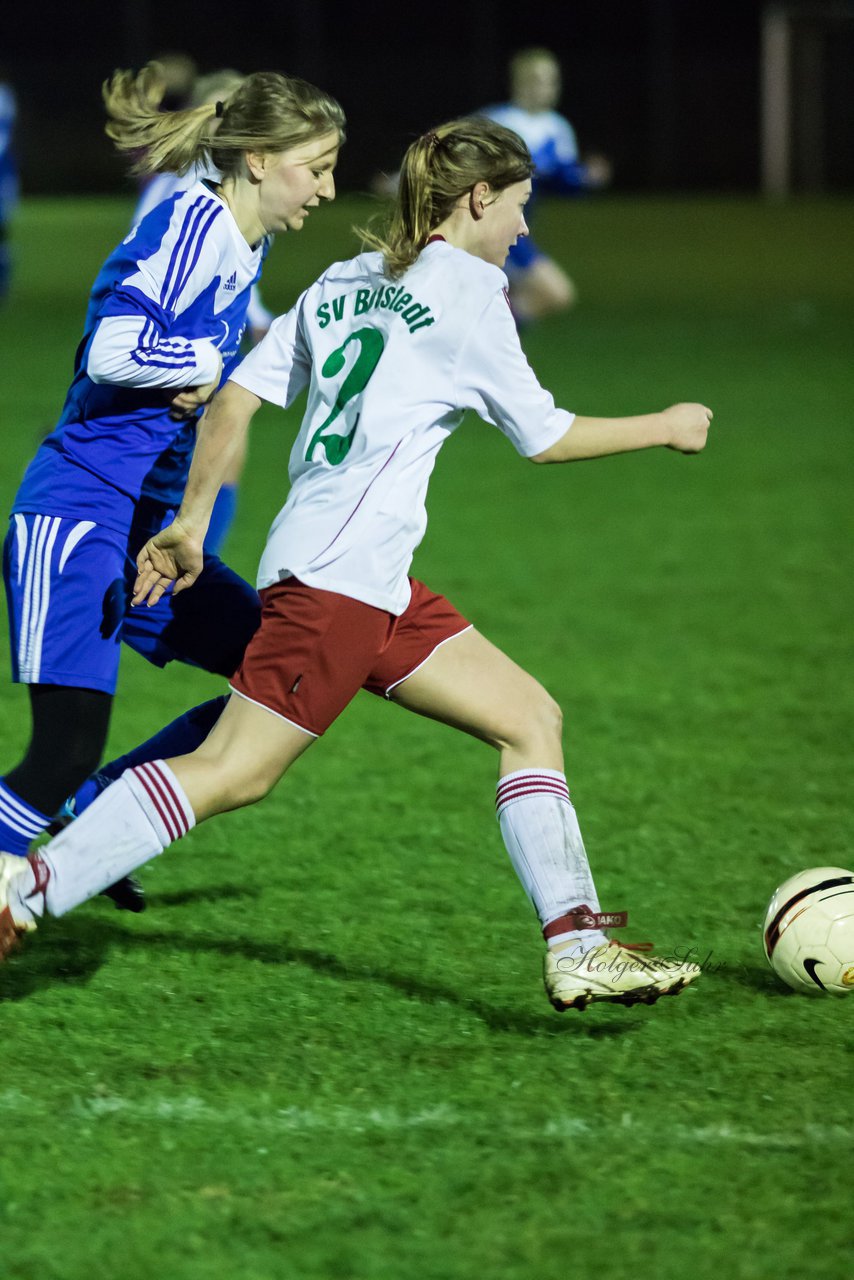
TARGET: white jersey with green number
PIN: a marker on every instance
(391, 366)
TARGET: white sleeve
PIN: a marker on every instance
(494, 378)
(128, 351)
(258, 316)
(133, 344)
(279, 368)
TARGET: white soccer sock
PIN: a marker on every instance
(130, 822)
(542, 837)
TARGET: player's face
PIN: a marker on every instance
(537, 86)
(504, 221)
(296, 181)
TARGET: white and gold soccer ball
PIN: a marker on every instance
(809, 931)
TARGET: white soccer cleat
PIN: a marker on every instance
(612, 973)
(12, 926)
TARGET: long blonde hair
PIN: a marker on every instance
(266, 112)
(438, 169)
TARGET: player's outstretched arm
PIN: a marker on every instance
(175, 554)
(683, 427)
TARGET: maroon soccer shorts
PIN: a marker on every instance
(316, 649)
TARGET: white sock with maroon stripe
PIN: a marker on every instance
(544, 842)
(130, 822)
(162, 799)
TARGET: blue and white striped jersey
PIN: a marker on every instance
(168, 302)
(162, 186)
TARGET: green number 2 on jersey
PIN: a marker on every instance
(371, 343)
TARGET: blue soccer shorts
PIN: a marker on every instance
(68, 588)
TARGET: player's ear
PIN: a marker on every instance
(256, 163)
(478, 199)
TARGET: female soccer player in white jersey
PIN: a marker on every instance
(163, 327)
(393, 347)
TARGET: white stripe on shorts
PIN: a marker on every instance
(21, 537)
(36, 598)
(38, 638)
(77, 533)
(24, 637)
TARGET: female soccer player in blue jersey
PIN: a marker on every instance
(392, 347)
(538, 285)
(206, 91)
(165, 319)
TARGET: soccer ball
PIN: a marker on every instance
(809, 931)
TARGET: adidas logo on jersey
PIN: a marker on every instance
(231, 283)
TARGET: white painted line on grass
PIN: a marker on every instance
(187, 1109)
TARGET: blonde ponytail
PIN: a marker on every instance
(267, 112)
(439, 168)
(159, 141)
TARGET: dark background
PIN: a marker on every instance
(668, 89)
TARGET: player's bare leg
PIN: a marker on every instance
(241, 760)
(543, 289)
(145, 810)
(471, 685)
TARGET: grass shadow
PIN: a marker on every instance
(208, 893)
(68, 951)
(759, 978)
(72, 950)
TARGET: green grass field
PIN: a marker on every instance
(324, 1052)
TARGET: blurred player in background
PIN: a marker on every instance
(164, 324)
(393, 347)
(8, 179)
(538, 286)
(206, 91)
(179, 72)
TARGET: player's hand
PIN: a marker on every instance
(687, 427)
(174, 555)
(188, 402)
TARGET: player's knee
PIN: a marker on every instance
(258, 787)
(567, 294)
(560, 294)
(248, 786)
(546, 717)
(537, 723)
